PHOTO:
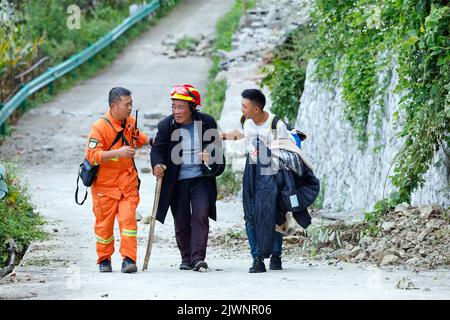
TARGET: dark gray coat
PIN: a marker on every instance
(160, 154)
(263, 205)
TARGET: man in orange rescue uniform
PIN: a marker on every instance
(116, 188)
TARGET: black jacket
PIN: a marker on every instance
(262, 194)
(161, 154)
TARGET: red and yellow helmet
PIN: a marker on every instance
(185, 92)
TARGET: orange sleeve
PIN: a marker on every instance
(95, 146)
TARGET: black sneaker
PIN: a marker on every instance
(105, 266)
(128, 266)
(185, 266)
(258, 266)
(275, 263)
(200, 264)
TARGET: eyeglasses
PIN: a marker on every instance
(178, 108)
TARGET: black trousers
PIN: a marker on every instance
(190, 209)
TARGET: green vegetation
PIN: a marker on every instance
(229, 183)
(373, 218)
(285, 75)
(226, 26)
(351, 37)
(318, 203)
(40, 28)
(18, 219)
(186, 43)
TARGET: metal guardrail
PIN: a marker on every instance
(73, 62)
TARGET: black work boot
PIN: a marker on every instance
(257, 266)
(200, 264)
(128, 266)
(105, 266)
(185, 266)
(275, 263)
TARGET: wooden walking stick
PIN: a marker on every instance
(151, 234)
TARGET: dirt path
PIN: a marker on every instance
(48, 144)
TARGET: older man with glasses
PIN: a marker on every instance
(188, 153)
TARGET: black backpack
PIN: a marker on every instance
(297, 135)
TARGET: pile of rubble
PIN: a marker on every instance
(262, 29)
(412, 236)
(181, 46)
(416, 236)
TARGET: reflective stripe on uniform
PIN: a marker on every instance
(104, 241)
(129, 233)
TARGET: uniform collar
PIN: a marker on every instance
(116, 123)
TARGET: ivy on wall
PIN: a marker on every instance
(359, 39)
(350, 36)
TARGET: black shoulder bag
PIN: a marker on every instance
(88, 172)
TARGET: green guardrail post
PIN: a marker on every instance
(23, 105)
(4, 126)
(54, 73)
(51, 88)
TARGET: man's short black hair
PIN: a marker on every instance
(116, 93)
(255, 96)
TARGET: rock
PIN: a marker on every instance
(257, 24)
(355, 251)
(405, 245)
(402, 207)
(146, 170)
(386, 226)
(361, 256)
(400, 253)
(438, 211)
(248, 32)
(389, 259)
(422, 236)
(203, 46)
(413, 261)
(153, 116)
(55, 230)
(147, 220)
(292, 239)
(405, 284)
(182, 54)
(342, 254)
(411, 236)
(170, 40)
(425, 212)
(434, 224)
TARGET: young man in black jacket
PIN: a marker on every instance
(187, 153)
(260, 196)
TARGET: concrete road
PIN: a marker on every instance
(48, 144)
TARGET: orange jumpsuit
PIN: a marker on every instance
(115, 190)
